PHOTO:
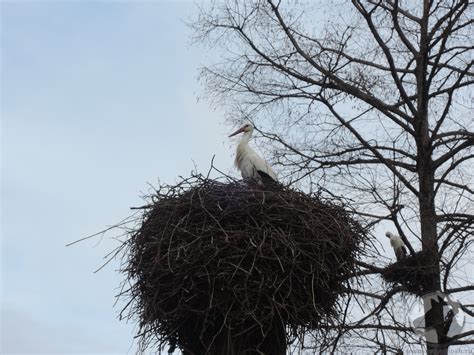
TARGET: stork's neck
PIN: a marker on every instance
(246, 137)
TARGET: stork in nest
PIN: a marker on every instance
(251, 165)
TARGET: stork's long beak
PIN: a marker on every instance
(240, 130)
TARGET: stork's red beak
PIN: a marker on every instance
(240, 130)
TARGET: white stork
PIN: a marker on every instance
(398, 246)
(250, 164)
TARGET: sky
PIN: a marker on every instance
(99, 98)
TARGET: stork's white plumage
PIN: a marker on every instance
(250, 164)
(398, 246)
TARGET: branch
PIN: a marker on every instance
(454, 137)
(341, 84)
(443, 178)
(388, 55)
(393, 5)
(370, 267)
(445, 157)
(450, 93)
(368, 326)
(400, 32)
(437, 25)
(463, 335)
(374, 151)
(460, 289)
(360, 161)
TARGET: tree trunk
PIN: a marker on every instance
(429, 236)
(434, 318)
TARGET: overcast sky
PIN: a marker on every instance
(98, 98)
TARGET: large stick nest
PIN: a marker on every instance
(413, 272)
(212, 258)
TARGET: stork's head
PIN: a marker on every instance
(388, 234)
(246, 128)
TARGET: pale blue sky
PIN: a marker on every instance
(98, 98)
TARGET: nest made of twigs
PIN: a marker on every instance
(413, 272)
(213, 261)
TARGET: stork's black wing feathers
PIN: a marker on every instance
(265, 177)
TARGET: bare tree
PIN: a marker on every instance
(369, 99)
